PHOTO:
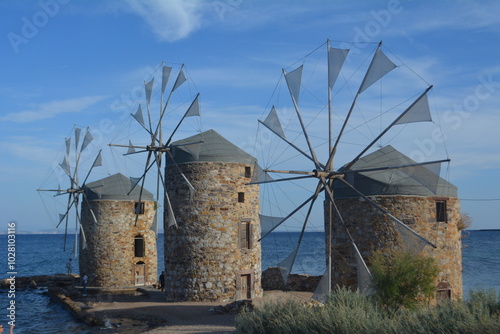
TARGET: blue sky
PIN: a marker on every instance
(67, 63)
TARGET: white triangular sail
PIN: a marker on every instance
(293, 80)
(419, 112)
(365, 280)
(408, 240)
(138, 116)
(86, 140)
(65, 166)
(323, 288)
(268, 223)
(148, 86)
(194, 108)
(180, 80)
(427, 175)
(336, 58)
(98, 160)
(131, 148)
(77, 137)
(84, 239)
(165, 76)
(171, 221)
(192, 148)
(68, 145)
(154, 226)
(380, 66)
(259, 175)
(286, 265)
(273, 123)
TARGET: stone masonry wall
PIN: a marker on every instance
(372, 230)
(203, 257)
(109, 258)
(273, 280)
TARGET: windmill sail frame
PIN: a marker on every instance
(323, 171)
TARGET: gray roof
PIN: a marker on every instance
(416, 181)
(211, 147)
(115, 187)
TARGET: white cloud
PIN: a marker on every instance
(52, 109)
(169, 20)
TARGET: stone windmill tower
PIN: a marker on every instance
(214, 253)
(419, 198)
(118, 251)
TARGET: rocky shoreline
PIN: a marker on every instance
(142, 310)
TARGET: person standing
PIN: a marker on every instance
(85, 280)
(162, 281)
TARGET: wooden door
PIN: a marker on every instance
(246, 286)
(140, 274)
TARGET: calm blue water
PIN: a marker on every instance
(43, 254)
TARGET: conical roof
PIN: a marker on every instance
(208, 146)
(416, 180)
(116, 187)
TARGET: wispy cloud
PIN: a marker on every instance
(462, 16)
(169, 20)
(52, 109)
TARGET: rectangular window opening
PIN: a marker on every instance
(139, 247)
(441, 215)
(241, 197)
(139, 208)
(245, 235)
(248, 172)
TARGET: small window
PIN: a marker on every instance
(139, 246)
(139, 208)
(241, 197)
(245, 232)
(248, 172)
(441, 211)
(443, 292)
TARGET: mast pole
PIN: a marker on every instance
(161, 106)
(330, 168)
(75, 250)
(74, 183)
(330, 146)
(160, 144)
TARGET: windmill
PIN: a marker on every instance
(305, 140)
(158, 146)
(71, 165)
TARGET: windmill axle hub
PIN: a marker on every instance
(157, 148)
(326, 174)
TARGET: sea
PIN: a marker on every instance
(42, 254)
